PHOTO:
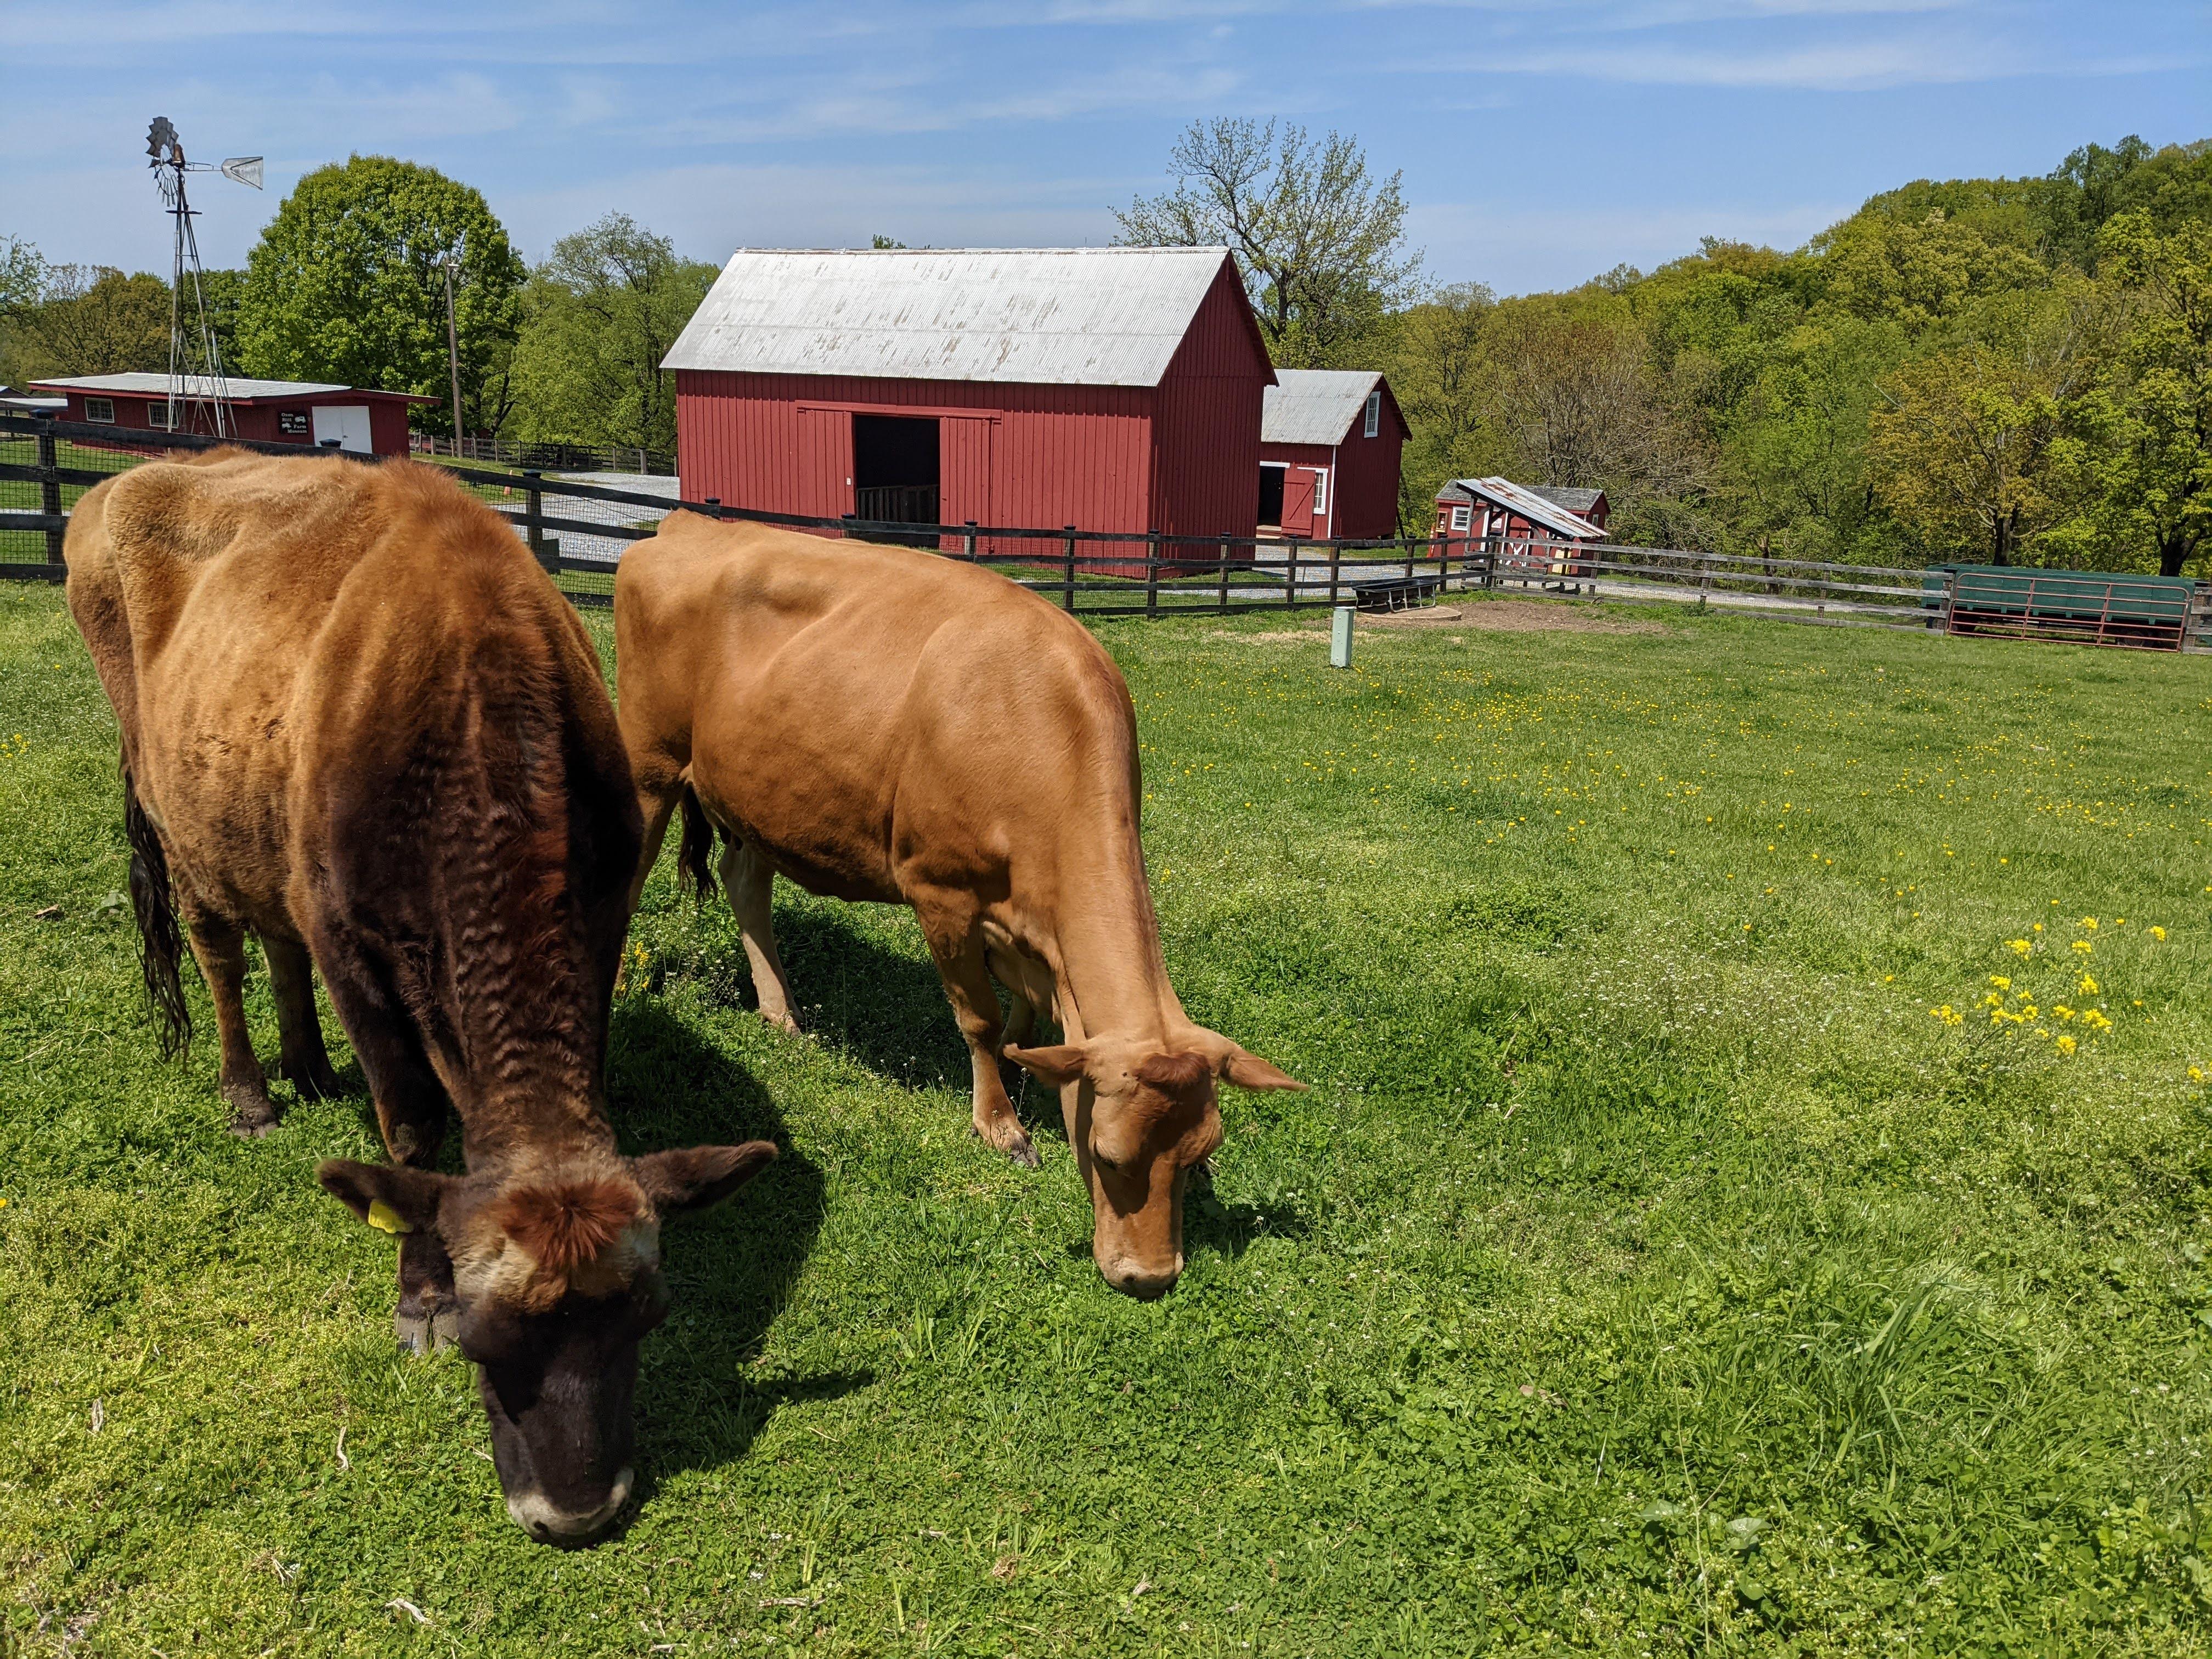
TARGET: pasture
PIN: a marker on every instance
(1649, 1271)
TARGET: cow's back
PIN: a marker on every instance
(851, 703)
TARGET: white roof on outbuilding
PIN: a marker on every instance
(1091, 316)
(140, 383)
(1314, 405)
(1529, 504)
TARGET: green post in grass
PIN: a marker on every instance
(1339, 638)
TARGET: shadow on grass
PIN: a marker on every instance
(730, 1269)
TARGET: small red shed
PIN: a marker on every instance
(1330, 441)
(303, 412)
(1107, 388)
(1529, 521)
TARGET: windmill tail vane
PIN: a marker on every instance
(199, 394)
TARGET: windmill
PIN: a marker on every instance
(199, 396)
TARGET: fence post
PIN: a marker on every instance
(534, 519)
(1067, 576)
(1335, 564)
(1224, 574)
(1291, 573)
(967, 543)
(1409, 558)
(50, 489)
(1489, 565)
(1151, 573)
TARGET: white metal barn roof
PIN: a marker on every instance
(1109, 316)
(1314, 405)
(141, 383)
(1529, 504)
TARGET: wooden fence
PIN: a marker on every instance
(578, 531)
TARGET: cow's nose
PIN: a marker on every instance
(549, 1523)
(1145, 1283)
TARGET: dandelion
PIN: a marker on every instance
(1948, 1015)
(2065, 1045)
(2158, 933)
(2196, 1074)
(2019, 947)
(2095, 1020)
(2084, 947)
(1992, 1000)
(2089, 922)
(2061, 1011)
(2038, 927)
(2000, 982)
(2087, 986)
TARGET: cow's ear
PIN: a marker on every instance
(390, 1197)
(1249, 1070)
(693, 1177)
(1059, 1066)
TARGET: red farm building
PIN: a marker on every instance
(1113, 389)
(269, 412)
(1330, 440)
(1525, 524)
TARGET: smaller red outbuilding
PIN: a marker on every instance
(1330, 442)
(1525, 524)
(304, 412)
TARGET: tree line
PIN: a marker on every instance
(1990, 370)
(2004, 370)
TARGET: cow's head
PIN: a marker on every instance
(1140, 1116)
(556, 1272)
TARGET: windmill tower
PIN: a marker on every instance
(199, 396)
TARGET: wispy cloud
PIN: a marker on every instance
(1832, 66)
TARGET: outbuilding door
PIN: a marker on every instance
(1297, 501)
(347, 422)
(965, 447)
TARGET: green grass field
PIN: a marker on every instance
(1649, 1271)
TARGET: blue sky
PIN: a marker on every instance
(1540, 143)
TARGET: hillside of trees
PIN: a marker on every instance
(2016, 370)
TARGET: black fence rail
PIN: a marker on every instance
(546, 457)
(579, 531)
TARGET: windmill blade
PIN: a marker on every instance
(161, 135)
(247, 169)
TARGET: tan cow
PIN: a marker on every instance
(882, 724)
(359, 722)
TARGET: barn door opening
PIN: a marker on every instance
(896, 472)
(1271, 495)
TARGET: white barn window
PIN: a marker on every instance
(1320, 492)
(157, 415)
(1374, 413)
(100, 410)
(1459, 518)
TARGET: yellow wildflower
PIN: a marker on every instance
(1991, 999)
(2061, 1011)
(2083, 946)
(2089, 922)
(2087, 986)
(2065, 1045)
(2095, 1020)
(2196, 1074)
(2158, 933)
(2000, 982)
(1948, 1015)
(2019, 947)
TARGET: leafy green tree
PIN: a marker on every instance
(1441, 371)
(1967, 449)
(90, 319)
(2145, 427)
(1321, 243)
(1918, 272)
(602, 313)
(347, 284)
(22, 276)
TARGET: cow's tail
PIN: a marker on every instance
(161, 941)
(695, 854)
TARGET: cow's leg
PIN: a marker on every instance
(302, 1060)
(219, 946)
(411, 1111)
(958, 945)
(656, 803)
(750, 881)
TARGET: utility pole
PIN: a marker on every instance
(451, 263)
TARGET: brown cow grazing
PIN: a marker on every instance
(886, 724)
(359, 722)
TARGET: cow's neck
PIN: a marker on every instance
(1112, 978)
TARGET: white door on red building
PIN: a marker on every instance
(347, 422)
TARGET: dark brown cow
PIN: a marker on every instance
(887, 725)
(359, 722)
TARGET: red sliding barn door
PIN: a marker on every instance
(965, 448)
(825, 462)
(1297, 501)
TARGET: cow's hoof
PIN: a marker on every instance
(252, 1114)
(1023, 1153)
(413, 1331)
(445, 1329)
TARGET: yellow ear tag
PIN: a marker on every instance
(385, 1218)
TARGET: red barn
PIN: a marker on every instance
(1330, 441)
(270, 412)
(1107, 388)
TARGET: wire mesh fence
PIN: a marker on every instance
(579, 523)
